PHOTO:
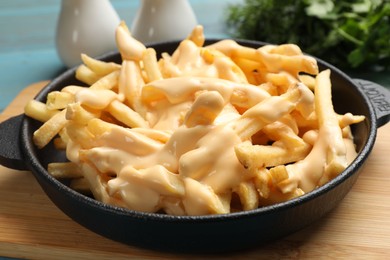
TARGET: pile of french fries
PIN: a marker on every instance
(205, 130)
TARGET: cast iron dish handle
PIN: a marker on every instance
(379, 98)
(11, 156)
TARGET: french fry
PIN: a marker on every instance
(279, 174)
(157, 178)
(62, 140)
(59, 100)
(205, 109)
(130, 85)
(328, 121)
(80, 135)
(293, 64)
(157, 135)
(286, 49)
(86, 75)
(79, 115)
(72, 89)
(108, 81)
(308, 80)
(96, 99)
(80, 185)
(150, 64)
(96, 184)
(61, 170)
(263, 182)
(253, 70)
(268, 156)
(208, 202)
(126, 115)
(172, 206)
(98, 127)
(101, 68)
(248, 195)
(39, 111)
(197, 36)
(258, 116)
(129, 48)
(49, 129)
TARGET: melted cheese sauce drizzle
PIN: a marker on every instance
(195, 170)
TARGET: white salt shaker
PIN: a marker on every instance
(163, 20)
(85, 26)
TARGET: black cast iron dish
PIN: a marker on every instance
(200, 233)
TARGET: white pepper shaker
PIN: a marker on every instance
(163, 20)
(85, 26)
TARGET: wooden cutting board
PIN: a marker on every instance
(32, 227)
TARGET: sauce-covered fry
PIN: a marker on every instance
(204, 130)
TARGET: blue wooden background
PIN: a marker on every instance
(27, 38)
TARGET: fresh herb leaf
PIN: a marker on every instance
(346, 33)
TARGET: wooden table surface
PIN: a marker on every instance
(32, 227)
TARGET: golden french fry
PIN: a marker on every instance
(80, 135)
(205, 109)
(293, 64)
(59, 143)
(126, 115)
(49, 129)
(286, 49)
(98, 127)
(86, 75)
(79, 115)
(97, 186)
(101, 68)
(80, 185)
(267, 155)
(130, 85)
(258, 116)
(276, 196)
(62, 140)
(328, 121)
(197, 36)
(283, 133)
(108, 81)
(248, 195)
(150, 65)
(129, 48)
(72, 89)
(253, 70)
(157, 135)
(172, 206)
(207, 202)
(96, 99)
(157, 178)
(278, 174)
(39, 111)
(263, 182)
(244, 52)
(349, 119)
(59, 100)
(61, 170)
(308, 80)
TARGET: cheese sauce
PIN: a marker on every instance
(195, 169)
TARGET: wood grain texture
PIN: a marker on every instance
(32, 227)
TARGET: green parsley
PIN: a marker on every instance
(346, 33)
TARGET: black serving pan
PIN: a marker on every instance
(215, 233)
